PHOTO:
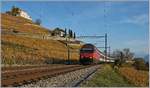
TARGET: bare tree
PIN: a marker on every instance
(128, 55)
(116, 54)
(121, 56)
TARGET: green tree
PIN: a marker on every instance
(8, 12)
(71, 34)
(74, 35)
(65, 32)
(38, 22)
(15, 11)
(147, 65)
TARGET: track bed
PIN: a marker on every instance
(17, 77)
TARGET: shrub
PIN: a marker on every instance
(38, 21)
(119, 62)
(139, 64)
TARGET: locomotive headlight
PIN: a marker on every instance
(82, 56)
(90, 57)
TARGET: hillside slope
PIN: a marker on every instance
(18, 49)
(20, 24)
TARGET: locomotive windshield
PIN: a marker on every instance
(86, 50)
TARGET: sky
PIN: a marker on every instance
(126, 22)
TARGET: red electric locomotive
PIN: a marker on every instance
(89, 54)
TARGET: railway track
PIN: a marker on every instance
(77, 83)
(21, 68)
(21, 77)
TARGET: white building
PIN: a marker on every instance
(62, 33)
(24, 14)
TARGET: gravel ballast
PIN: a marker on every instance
(65, 80)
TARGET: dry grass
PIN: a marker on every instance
(20, 24)
(27, 50)
(14, 47)
(137, 77)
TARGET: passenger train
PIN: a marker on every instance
(89, 54)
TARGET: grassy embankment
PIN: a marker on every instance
(123, 77)
(107, 77)
(27, 50)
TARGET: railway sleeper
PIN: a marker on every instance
(15, 84)
(45, 77)
(28, 81)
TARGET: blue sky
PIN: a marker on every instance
(125, 22)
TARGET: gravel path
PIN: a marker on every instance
(65, 80)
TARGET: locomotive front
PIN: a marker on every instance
(86, 54)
